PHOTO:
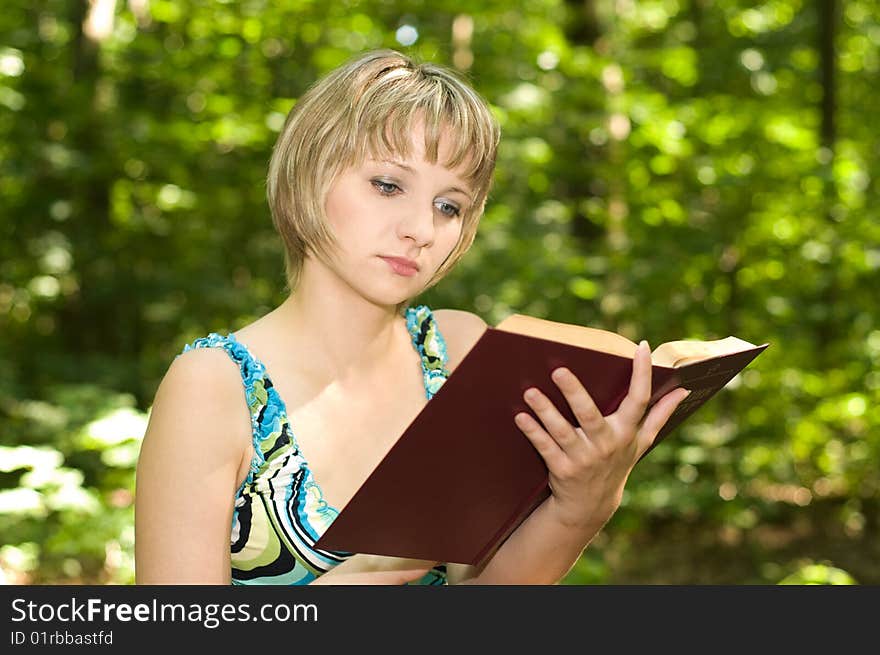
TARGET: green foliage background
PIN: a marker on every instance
(669, 169)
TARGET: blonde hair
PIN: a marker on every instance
(368, 107)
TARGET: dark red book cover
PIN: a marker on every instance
(462, 476)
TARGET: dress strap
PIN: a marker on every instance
(430, 345)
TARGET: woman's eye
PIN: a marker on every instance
(449, 209)
(385, 188)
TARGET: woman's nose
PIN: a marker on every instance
(418, 224)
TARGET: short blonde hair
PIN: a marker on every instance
(368, 107)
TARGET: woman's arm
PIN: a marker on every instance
(195, 446)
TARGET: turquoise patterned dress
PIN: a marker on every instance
(279, 509)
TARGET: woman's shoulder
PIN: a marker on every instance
(199, 407)
(461, 323)
(205, 379)
(461, 330)
(203, 361)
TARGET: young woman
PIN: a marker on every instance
(257, 438)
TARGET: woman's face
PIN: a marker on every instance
(396, 222)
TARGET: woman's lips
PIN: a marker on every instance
(402, 266)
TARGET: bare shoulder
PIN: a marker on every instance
(460, 330)
(208, 373)
(200, 405)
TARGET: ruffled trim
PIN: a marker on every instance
(431, 347)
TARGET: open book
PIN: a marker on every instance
(462, 477)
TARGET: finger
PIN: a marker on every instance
(554, 423)
(549, 450)
(389, 563)
(582, 405)
(632, 407)
(657, 417)
(367, 563)
(397, 577)
(410, 576)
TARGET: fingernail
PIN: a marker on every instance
(644, 344)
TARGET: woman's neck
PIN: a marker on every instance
(343, 336)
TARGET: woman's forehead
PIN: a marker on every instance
(416, 152)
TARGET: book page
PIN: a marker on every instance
(671, 353)
(678, 353)
(573, 335)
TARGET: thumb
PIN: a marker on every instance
(659, 414)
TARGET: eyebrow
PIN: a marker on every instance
(410, 169)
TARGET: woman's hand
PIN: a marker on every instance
(364, 569)
(589, 463)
